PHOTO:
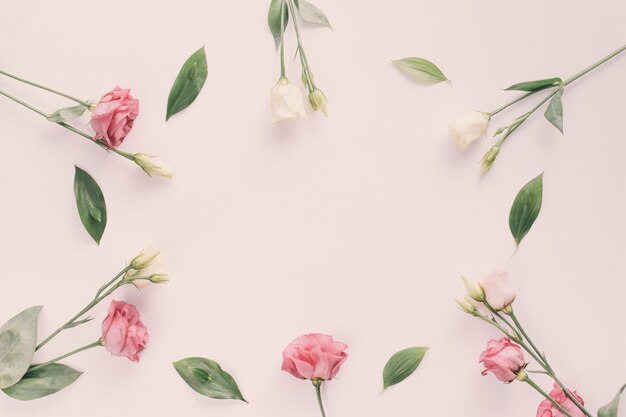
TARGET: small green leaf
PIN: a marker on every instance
(208, 378)
(610, 410)
(402, 364)
(90, 202)
(421, 70)
(188, 83)
(312, 14)
(18, 339)
(67, 114)
(535, 85)
(78, 323)
(43, 381)
(526, 208)
(554, 112)
(273, 19)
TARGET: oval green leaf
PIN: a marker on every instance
(67, 114)
(43, 381)
(402, 364)
(188, 84)
(312, 14)
(90, 202)
(611, 409)
(273, 19)
(208, 378)
(535, 85)
(526, 208)
(18, 339)
(554, 112)
(421, 70)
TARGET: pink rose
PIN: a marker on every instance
(114, 116)
(498, 290)
(123, 332)
(314, 356)
(503, 358)
(547, 409)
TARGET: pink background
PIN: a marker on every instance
(358, 225)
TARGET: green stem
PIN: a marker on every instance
(547, 366)
(7, 95)
(545, 394)
(318, 390)
(15, 77)
(89, 346)
(282, 39)
(99, 297)
(310, 84)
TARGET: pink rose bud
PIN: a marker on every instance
(123, 332)
(114, 116)
(498, 290)
(547, 409)
(504, 359)
(314, 356)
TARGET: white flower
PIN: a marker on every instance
(287, 102)
(144, 259)
(498, 290)
(469, 127)
(318, 101)
(473, 289)
(152, 165)
(488, 159)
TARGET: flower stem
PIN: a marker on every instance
(318, 390)
(99, 297)
(15, 77)
(283, 6)
(547, 366)
(545, 394)
(310, 84)
(89, 346)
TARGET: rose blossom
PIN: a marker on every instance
(503, 358)
(314, 356)
(498, 290)
(469, 127)
(547, 409)
(287, 102)
(123, 332)
(114, 116)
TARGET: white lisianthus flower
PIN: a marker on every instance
(287, 101)
(152, 165)
(469, 127)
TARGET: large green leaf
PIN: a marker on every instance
(43, 381)
(402, 364)
(312, 14)
(90, 202)
(273, 19)
(188, 84)
(67, 114)
(208, 378)
(18, 339)
(554, 112)
(611, 409)
(535, 85)
(526, 208)
(421, 70)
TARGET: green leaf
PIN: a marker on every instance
(526, 208)
(421, 70)
(554, 112)
(67, 114)
(273, 19)
(90, 202)
(535, 85)
(207, 378)
(188, 84)
(610, 410)
(78, 323)
(18, 339)
(402, 364)
(312, 14)
(43, 381)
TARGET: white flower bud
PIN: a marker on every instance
(318, 101)
(286, 100)
(474, 290)
(152, 165)
(144, 259)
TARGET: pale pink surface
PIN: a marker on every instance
(498, 289)
(547, 409)
(114, 116)
(123, 332)
(314, 356)
(503, 358)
